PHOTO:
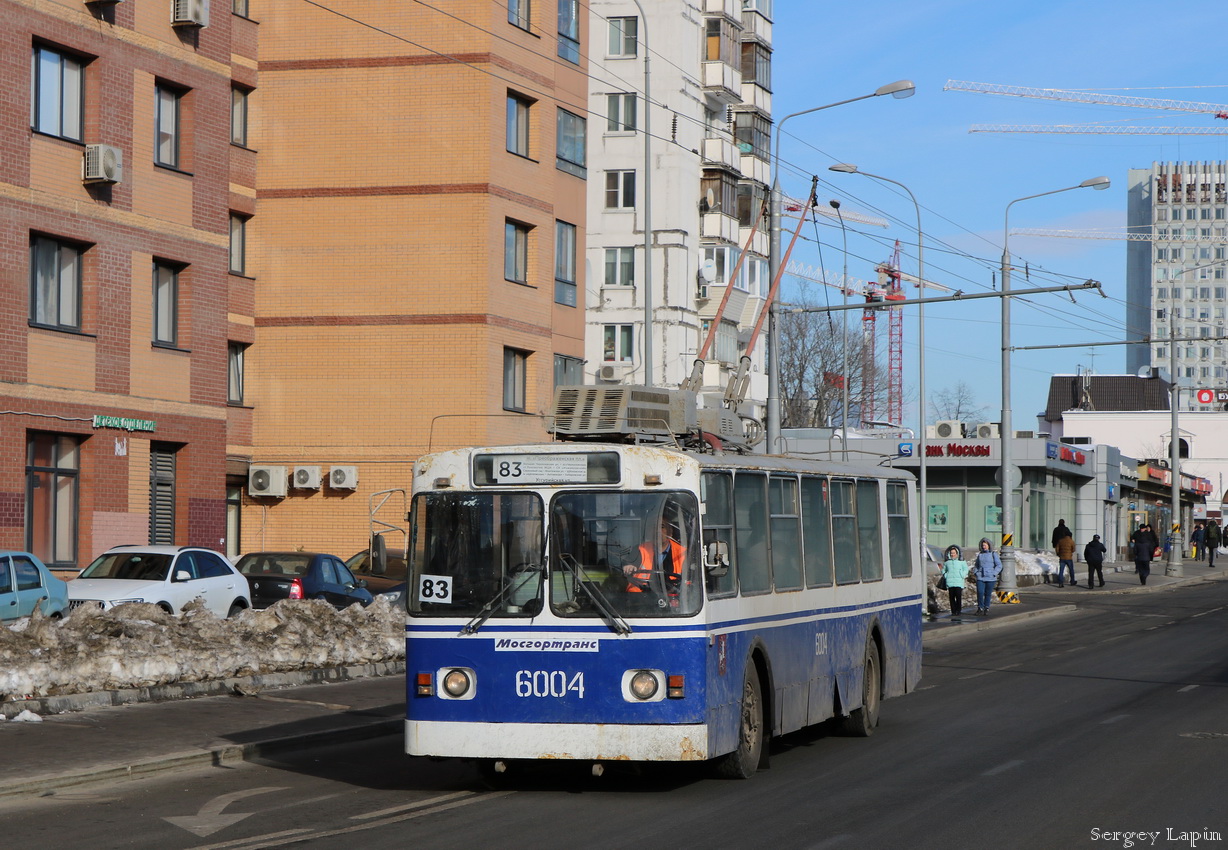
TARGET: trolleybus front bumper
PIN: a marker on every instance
(598, 742)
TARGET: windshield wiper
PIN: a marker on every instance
(488, 610)
(607, 611)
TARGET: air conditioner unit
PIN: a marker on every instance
(931, 432)
(266, 481)
(949, 429)
(1026, 435)
(343, 478)
(190, 13)
(988, 431)
(610, 373)
(306, 478)
(102, 164)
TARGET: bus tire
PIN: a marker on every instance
(861, 721)
(744, 761)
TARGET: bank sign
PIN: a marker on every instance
(1064, 453)
(956, 450)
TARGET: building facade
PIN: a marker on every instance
(681, 105)
(1177, 284)
(121, 191)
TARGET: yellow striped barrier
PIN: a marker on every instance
(1008, 596)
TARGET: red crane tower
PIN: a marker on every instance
(887, 295)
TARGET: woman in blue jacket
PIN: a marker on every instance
(986, 569)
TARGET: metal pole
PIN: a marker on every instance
(1174, 566)
(844, 373)
(647, 201)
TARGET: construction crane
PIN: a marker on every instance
(1121, 235)
(1066, 95)
(884, 295)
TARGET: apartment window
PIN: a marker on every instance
(720, 259)
(757, 64)
(516, 251)
(568, 371)
(518, 13)
(751, 198)
(239, 7)
(753, 132)
(1219, 295)
(565, 263)
(238, 244)
(165, 304)
(718, 193)
(620, 190)
(518, 124)
(234, 372)
(570, 143)
(620, 112)
(55, 283)
(569, 30)
(1219, 253)
(757, 277)
(1162, 293)
(1161, 255)
(1162, 214)
(515, 370)
(725, 348)
(166, 147)
(1191, 214)
(1204, 253)
(721, 42)
(52, 465)
(1161, 352)
(1219, 213)
(1204, 292)
(616, 342)
(763, 7)
(238, 116)
(620, 267)
(623, 36)
(57, 99)
(1204, 233)
(1204, 214)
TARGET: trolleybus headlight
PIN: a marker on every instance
(456, 683)
(644, 685)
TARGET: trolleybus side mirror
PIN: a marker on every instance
(716, 558)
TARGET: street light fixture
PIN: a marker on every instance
(1005, 427)
(899, 89)
(849, 168)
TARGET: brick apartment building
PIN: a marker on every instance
(119, 187)
(335, 241)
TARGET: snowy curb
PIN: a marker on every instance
(187, 690)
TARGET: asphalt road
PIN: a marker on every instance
(1058, 733)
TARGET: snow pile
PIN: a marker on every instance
(139, 645)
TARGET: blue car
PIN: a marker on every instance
(26, 584)
(272, 576)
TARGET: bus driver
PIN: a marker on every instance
(667, 556)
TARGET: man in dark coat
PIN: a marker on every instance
(1060, 531)
(1145, 543)
(1093, 554)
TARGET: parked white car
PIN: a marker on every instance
(167, 576)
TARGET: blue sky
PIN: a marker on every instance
(827, 52)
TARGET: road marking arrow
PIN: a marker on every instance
(210, 818)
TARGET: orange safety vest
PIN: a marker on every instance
(648, 558)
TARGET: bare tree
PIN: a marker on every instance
(957, 403)
(812, 368)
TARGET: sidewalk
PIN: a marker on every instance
(1046, 600)
(104, 740)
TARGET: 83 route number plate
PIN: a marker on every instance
(435, 589)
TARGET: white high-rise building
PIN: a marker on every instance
(1177, 284)
(706, 105)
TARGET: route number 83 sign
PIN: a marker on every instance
(435, 589)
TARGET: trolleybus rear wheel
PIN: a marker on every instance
(742, 762)
(861, 721)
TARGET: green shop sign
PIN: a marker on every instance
(123, 423)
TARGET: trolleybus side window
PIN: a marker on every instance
(475, 553)
(816, 509)
(869, 531)
(786, 532)
(898, 550)
(844, 532)
(716, 491)
(750, 506)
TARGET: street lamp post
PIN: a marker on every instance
(849, 168)
(1006, 434)
(1174, 566)
(647, 291)
(844, 344)
(898, 89)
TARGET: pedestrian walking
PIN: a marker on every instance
(1093, 554)
(1065, 550)
(1196, 538)
(955, 574)
(1211, 540)
(1060, 531)
(1145, 546)
(986, 569)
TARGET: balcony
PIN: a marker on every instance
(758, 97)
(715, 225)
(722, 82)
(731, 9)
(754, 168)
(722, 153)
(756, 26)
(760, 245)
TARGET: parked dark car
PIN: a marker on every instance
(389, 583)
(301, 575)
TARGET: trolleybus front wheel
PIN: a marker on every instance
(861, 721)
(742, 762)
